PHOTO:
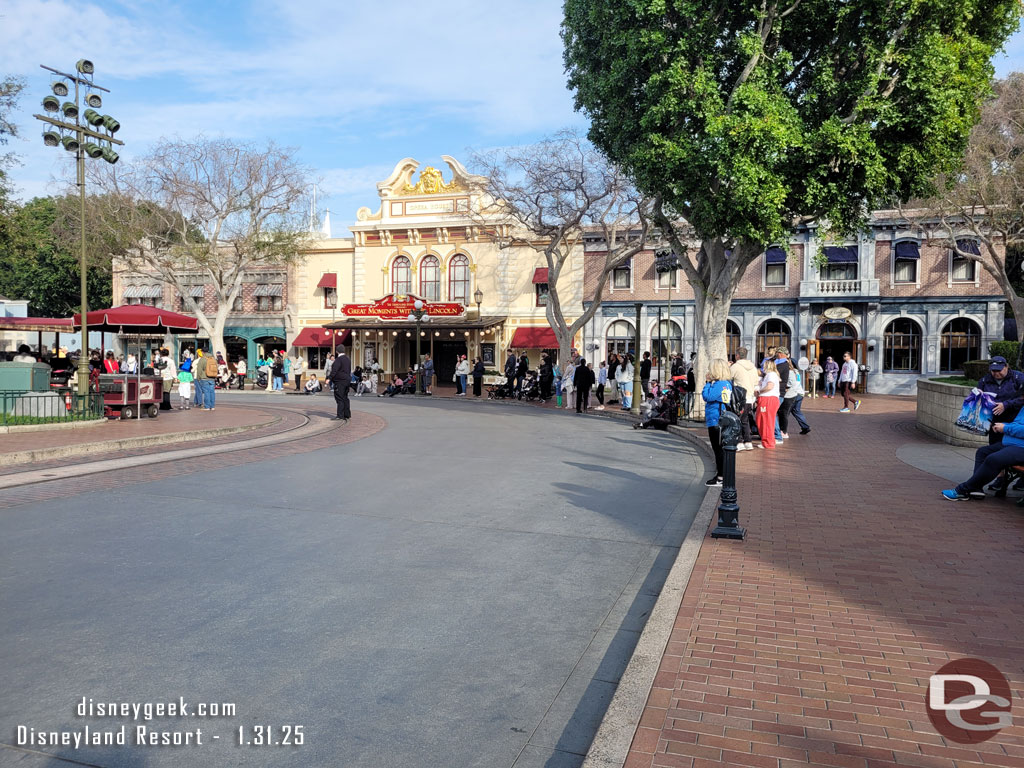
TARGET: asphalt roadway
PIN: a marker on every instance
(463, 588)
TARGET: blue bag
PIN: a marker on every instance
(976, 412)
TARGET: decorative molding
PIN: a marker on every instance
(431, 183)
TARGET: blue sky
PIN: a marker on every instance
(355, 87)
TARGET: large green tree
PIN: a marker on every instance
(39, 259)
(745, 118)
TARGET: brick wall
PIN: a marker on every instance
(933, 275)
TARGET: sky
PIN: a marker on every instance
(353, 87)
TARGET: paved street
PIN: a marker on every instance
(461, 588)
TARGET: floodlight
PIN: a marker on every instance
(93, 117)
(94, 100)
(84, 66)
(111, 124)
(60, 88)
(51, 138)
(93, 150)
(51, 103)
(70, 143)
(70, 109)
(110, 155)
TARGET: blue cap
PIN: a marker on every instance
(997, 364)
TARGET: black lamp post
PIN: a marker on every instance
(332, 302)
(418, 313)
(728, 510)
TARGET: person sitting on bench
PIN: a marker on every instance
(990, 460)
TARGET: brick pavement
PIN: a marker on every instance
(811, 642)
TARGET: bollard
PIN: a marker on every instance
(728, 510)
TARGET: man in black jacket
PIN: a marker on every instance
(582, 381)
(341, 377)
(510, 368)
(521, 369)
(645, 374)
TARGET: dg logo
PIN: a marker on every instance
(969, 701)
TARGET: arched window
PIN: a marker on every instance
(401, 276)
(772, 333)
(430, 278)
(901, 352)
(837, 330)
(961, 341)
(458, 279)
(732, 338)
(666, 340)
(621, 338)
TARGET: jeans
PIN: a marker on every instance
(600, 394)
(463, 378)
(278, 382)
(208, 393)
(795, 410)
(989, 461)
(830, 389)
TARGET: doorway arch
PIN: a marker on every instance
(834, 338)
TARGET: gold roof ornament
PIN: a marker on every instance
(431, 183)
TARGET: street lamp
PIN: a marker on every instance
(666, 262)
(418, 314)
(637, 385)
(478, 297)
(78, 137)
(332, 302)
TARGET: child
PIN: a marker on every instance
(184, 388)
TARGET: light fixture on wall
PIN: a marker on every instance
(452, 334)
(803, 343)
(872, 343)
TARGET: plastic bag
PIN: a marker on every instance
(976, 413)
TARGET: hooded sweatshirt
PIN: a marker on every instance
(745, 374)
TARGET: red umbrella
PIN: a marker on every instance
(138, 319)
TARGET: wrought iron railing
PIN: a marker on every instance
(20, 407)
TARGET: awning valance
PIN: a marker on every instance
(143, 292)
(320, 337)
(328, 280)
(195, 291)
(908, 249)
(969, 246)
(841, 254)
(534, 338)
(540, 275)
(268, 290)
(775, 255)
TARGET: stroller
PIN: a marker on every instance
(261, 380)
(531, 387)
(502, 391)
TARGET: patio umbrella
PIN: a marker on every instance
(137, 320)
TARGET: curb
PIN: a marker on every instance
(107, 446)
(18, 429)
(614, 736)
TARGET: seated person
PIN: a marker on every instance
(394, 387)
(313, 385)
(364, 386)
(990, 460)
(664, 413)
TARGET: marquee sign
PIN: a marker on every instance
(393, 307)
(837, 313)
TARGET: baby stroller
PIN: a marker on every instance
(501, 391)
(531, 387)
(261, 380)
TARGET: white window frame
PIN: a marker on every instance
(950, 282)
(632, 277)
(892, 263)
(764, 272)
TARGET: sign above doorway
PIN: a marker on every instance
(837, 313)
(395, 307)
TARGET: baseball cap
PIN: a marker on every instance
(782, 351)
(998, 363)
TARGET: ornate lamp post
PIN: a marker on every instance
(478, 297)
(666, 262)
(332, 302)
(76, 134)
(418, 314)
(637, 385)
(728, 510)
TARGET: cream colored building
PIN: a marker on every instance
(431, 239)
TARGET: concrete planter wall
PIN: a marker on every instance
(938, 405)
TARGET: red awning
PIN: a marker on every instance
(329, 280)
(49, 324)
(138, 318)
(320, 337)
(540, 275)
(534, 338)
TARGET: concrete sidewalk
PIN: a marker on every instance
(812, 641)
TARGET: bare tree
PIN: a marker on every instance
(984, 199)
(210, 206)
(545, 196)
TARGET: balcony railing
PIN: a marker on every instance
(838, 288)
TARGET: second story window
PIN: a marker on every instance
(775, 267)
(238, 304)
(841, 263)
(961, 268)
(269, 298)
(401, 276)
(622, 275)
(430, 278)
(458, 279)
(907, 255)
(668, 279)
(541, 292)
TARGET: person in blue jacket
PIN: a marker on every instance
(717, 394)
(990, 460)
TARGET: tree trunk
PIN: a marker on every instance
(711, 314)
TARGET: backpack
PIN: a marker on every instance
(211, 367)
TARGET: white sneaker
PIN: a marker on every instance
(748, 446)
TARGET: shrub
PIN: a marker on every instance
(975, 369)
(1008, 349)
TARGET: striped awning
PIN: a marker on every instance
(143, 292)
(269, 290)
(195, 291)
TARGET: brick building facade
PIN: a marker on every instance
(904, 306)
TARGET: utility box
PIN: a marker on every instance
(24, 377)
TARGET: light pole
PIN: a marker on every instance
(72, 135)
(478, 297)
(418, 314)
(634, 407)
(332, 302)
(667, 261)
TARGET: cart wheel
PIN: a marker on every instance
(128, 412)
(153, 411)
